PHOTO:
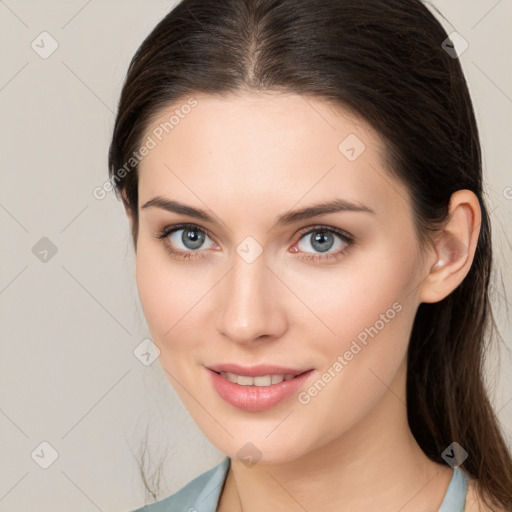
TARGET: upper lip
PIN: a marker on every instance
(257, 370)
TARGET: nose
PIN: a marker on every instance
(249, 305)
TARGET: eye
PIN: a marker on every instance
(188, 241)
(184, 239)
(326, 242)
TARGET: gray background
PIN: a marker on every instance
(70, 323)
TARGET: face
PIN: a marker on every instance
(229, 273)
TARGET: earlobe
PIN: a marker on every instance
(453, 248)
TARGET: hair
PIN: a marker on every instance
(382, 60)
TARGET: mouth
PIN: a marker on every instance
(259, 392)
(260, 381)
(259, 370)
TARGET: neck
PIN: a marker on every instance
(377, 465)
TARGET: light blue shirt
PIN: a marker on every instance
(203, 492)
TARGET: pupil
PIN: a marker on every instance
(322, 241)
(192, 239)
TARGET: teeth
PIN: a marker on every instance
(264, 380)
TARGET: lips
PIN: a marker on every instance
(265, 380)
(254, 398)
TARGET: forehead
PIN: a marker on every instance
(264, 150)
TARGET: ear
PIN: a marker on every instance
(453, 249)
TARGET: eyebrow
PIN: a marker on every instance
(335, 206)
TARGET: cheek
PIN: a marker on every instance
(368, 311)
(166, 294)
(153, 289)
(357, 369)
(357, 297)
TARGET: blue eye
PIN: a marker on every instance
(321, 243)
(190, 238)
(185, 238)
(322, 239)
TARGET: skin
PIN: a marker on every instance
(245, 160)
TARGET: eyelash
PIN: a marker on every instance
(347, 239)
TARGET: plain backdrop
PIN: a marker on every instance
(70, 316)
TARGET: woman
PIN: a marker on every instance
(303, 182)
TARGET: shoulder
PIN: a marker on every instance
(201, 493)
(473, 501)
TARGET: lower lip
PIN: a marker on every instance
(256, 398)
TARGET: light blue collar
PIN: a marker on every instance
(203, 493)
(455, 497)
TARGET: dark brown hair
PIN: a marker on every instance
(384, 61)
